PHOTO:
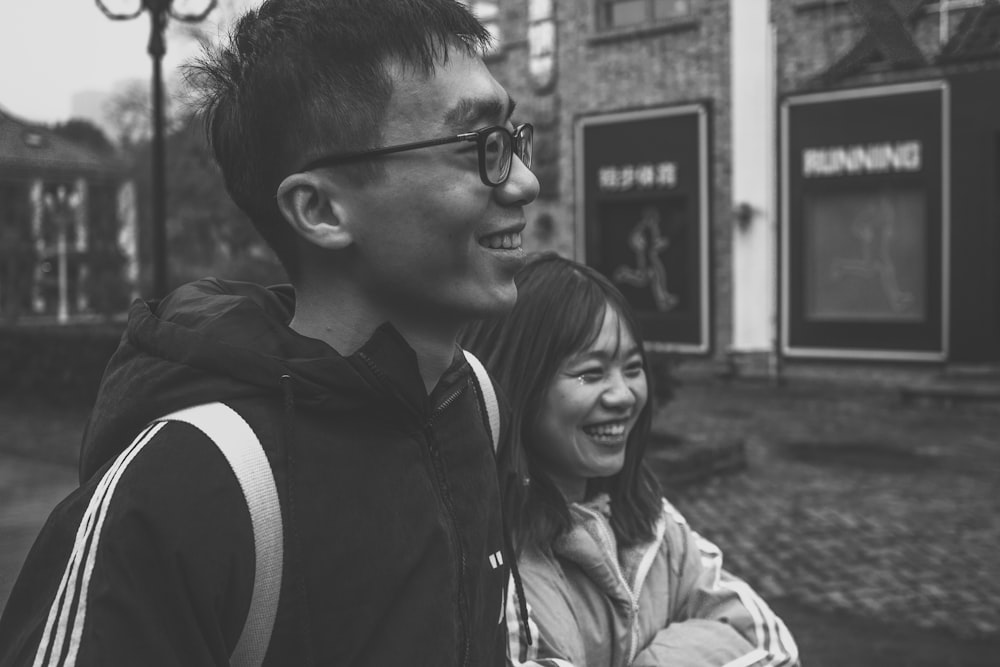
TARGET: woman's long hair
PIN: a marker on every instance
(559, 312)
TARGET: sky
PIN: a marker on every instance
(51, 49)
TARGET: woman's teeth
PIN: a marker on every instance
(606, 431)
(508, 241)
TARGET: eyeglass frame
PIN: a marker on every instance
(516, 138)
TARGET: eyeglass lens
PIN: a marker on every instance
(498, 153)
(526, 139)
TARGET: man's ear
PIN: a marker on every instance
(310, 204)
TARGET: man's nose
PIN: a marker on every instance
(521, 186)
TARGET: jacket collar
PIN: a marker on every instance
(591, 544)
(393, 363)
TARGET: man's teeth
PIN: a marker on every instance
(509, 241)
(606, 430)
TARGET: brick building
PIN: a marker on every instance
(67, 226)
(775, 184)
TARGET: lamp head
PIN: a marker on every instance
(189, 11)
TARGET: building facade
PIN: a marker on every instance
(778, 186)
(67, 226)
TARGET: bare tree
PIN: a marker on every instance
(129, 111)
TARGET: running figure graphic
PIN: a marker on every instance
(647, 243)
(875, 231)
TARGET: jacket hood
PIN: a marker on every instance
(215, 340)
(591, 544)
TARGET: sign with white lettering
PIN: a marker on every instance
(882, 158)
(643, 192)
(622, 178)
(864, 214)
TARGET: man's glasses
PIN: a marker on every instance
(496, 147)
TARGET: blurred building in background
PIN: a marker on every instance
(778, 186)
(67, 226)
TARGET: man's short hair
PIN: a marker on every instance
(302, 78)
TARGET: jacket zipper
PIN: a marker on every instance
(447, 402)
(463, 603)
(605, 538)
(649, 556)
(441, 480)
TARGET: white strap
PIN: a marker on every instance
(489, 395)
(237, 441)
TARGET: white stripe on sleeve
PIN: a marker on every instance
(771, 634)
(752, 658)
(67, 611)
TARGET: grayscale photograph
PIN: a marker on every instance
(500, 333)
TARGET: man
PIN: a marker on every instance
(352, 134)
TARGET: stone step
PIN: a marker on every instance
(977, 372)
(982, 390)
(684, 461)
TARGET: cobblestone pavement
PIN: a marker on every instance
(852, 502)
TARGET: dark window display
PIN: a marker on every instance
(865, 223)
(643, 204)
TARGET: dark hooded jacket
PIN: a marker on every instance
(389, 497)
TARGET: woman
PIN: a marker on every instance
(612, 574)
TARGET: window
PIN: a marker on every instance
(541, 43)
(627, 13)
(949, 14)
(15, 209)
(35, 139)
(488, 14)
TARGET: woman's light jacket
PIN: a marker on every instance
(666, 603)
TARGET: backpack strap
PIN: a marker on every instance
(242, 449)
(488, 394)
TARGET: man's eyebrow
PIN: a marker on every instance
(472, 111)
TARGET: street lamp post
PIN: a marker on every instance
(159, 12)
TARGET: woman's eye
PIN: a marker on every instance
(634, 369)
(590, 375)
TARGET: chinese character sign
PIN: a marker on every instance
(644, 203)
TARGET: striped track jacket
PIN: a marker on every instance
(667, 603)
(393, 541)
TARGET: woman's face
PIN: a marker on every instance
(589, 409)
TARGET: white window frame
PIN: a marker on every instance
(604, 23)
